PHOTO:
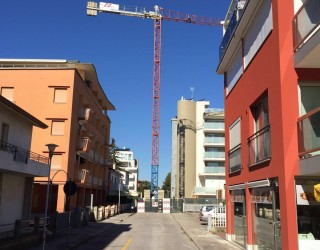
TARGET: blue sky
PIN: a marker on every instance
(121, 48)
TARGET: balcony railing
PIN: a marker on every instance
(22, 155)
(232, 24)
(215, 170)
(211, 155)
(207, 190)
(259, 146)
(305, 22)
(212, 125)
(234, 156)
(309, 132)
(218, 140)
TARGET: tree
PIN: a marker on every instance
(166, 185)
(144, 185)
(114, 156)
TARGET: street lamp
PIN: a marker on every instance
(51, 148)
(120, 180)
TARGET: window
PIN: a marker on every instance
(310, 100)
(4, 132)
(56, 162)
(259, 143)
(260, 114)
(60, 95)
(234, 154)
(7, 92)
(57, 128)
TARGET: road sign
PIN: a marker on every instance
(70, 188)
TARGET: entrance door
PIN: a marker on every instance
(266, 218)
(240, 227)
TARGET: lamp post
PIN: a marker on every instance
(120, 180)
(51, 148)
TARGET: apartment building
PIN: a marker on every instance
(269, 56)
(131, 170)
(18, 165)
(68, 97)
(198, 154)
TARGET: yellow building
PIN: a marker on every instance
(66, 96)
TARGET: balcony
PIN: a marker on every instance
(218, 141)
(85, 114)
(309, 134)
(84, 144)
(259, 147)
(23, 161)
(306, 35)
(215, 155)
(212, 126)
(204, 191)
(234, 156)
(213, 170)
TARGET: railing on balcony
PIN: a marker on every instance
(259, 146)
(305, 22)
(217, 140)
(207, 190)
(218, 154)
(21, 154)
(231, 26)
(213, 125)
(234, 156)
(309, 133)
(215, 170)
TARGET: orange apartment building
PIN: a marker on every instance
(66, 96)
(269, 56)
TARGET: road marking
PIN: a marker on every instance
(125, 247)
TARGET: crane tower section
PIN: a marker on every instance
(158, 15)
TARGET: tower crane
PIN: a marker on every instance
(158, 15)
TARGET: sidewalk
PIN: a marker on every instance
(189, 224)
(203, 239)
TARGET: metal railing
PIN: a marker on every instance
(214, 154)
(259, 145)
(215, 170)
(309, 132)
(21, 154)
(305, 22)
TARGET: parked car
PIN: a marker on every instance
(209, 211)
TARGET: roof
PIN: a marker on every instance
(62, 64)
(22, 112)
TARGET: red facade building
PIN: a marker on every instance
(270, 58)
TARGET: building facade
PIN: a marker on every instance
(68, 97)
(197, 151)
(18, 165)
(131, 167)
(269, 57)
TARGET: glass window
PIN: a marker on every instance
(309, 98)
(308, 212)
(260, 114)
(60, 95)
(56, 162)
(7, 92)
(57, 128)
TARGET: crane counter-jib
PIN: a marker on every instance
(93, 9)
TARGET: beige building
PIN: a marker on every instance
(197, 151)
(68, 98)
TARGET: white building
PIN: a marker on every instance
(198, 153)
(18, 166)
(131, 166)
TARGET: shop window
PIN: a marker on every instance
(308, 213)
(57, 128)
(60, 95)
(7, 92)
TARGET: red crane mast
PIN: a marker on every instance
(157, 15)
